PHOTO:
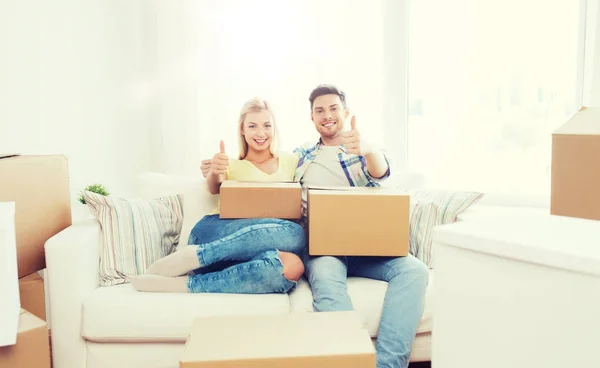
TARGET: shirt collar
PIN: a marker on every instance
(341, 148)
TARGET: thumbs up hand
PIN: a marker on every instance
(219, 162)
(352, 142)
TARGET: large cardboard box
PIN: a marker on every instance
(315, 340)
(242, 199)
(358, 221)
(32, 295)
(39, 186)
(32, 349)
(576, 166)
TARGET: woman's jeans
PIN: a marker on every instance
(240, 255)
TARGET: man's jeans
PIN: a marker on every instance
(407, 279)
(240, 255)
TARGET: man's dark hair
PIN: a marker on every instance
(326, 89)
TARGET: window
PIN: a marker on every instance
(488, 83)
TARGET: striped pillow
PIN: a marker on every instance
(423, 217)
(135, 233)
(448, 205)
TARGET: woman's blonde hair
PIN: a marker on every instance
(256, 105)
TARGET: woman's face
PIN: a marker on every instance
(257, 130)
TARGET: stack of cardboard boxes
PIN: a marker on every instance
(39, 188)
(575, 188)
(341, 221)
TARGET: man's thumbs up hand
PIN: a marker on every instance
(352, 142)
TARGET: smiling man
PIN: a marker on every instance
(342, 158)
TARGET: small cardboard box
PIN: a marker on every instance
(33, 298)
(358, 221)
(242, 199)
(575, 188)
(315, 340)
(39, 186)
(32, 349)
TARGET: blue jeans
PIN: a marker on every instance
(403, 305)
(240, 255)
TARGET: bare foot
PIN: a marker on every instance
(176, 264)
(156, 283)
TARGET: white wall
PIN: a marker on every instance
(591, 73)
(128, 86)
(71, 76)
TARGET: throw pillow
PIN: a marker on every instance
(135, 233)
(423, 217)
(448, 205)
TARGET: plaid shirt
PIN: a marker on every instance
(355, 168)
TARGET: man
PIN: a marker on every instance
(342, 158)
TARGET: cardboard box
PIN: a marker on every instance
(39, 185)
(315, 340)
(575, 188)
(32, 349)
(33, 298)
(242, 199)
(358, 221)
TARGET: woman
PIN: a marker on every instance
(249, 256)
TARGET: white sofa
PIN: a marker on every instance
(118, 327)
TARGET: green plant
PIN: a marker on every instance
(96, 188)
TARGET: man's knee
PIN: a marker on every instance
(413, 268)
(293, 268)
(327, 270)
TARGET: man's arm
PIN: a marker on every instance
(377, 165)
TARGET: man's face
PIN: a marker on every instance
(329, 115)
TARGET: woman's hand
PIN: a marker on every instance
(219, 162)
(218, 168)
(205, 167)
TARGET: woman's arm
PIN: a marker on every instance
(214, 181)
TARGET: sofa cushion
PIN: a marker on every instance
(367, 298)
(135, 233)
(122, 314)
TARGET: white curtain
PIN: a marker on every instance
(212, 56)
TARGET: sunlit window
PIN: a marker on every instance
(488, 83)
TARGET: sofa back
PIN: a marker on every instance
(197, 200)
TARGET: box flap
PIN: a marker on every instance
(259, 184)
(277, 336)
(28, 321)
(585, 122)
(319, 189)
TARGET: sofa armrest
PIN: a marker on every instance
(72, 267)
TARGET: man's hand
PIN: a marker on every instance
(205, 167)
(219, 162)
(352, 142)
